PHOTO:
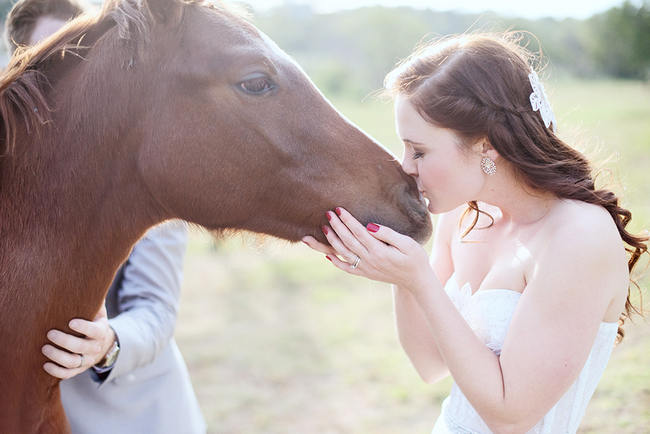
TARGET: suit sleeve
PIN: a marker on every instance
(149, 296)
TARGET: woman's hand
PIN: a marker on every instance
(78, 354)
(384, 254)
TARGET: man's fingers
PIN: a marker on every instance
(62, 358)
(86, 328)
(73, 343)
(101, 313)
(59, 372)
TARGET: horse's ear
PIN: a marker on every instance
(166, 11)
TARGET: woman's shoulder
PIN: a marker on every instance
(582, 248)
(582, 222)
(587, 232)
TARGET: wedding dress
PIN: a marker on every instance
(488, 312)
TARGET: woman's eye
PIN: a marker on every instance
(257, 85)
(417, 155)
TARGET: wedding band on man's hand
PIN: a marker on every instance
(356, 263)
(81, 361)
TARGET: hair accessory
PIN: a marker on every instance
(488, 166)
(539, 101)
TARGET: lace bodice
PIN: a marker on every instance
(488, 312)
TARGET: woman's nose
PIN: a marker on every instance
(409, 166)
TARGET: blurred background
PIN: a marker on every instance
(279, 341)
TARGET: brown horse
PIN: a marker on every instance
(152, 110)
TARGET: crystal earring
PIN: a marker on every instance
(488, 166)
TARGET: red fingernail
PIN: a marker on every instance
(328, 258)
(338, 210)
(372, 227)
(328, 215)
(325, 230)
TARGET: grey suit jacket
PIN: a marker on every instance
(148, 390)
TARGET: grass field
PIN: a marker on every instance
(278, 341)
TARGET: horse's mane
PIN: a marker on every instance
(24, 81)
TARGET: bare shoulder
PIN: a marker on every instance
(582, 242)
(580, 225)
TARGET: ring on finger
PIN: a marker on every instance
(81, 361)
(356, 263)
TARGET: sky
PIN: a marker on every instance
(520, 8)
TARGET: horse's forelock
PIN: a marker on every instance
(132, 18)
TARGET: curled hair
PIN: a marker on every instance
(477, 85)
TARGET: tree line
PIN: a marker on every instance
(349, 52)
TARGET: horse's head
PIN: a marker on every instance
(251, 142)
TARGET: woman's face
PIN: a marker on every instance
(447, 175)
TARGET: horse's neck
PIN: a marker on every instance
(68, 212)
(65, 227)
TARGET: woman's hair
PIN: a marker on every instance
(22, 18)
(478, 86)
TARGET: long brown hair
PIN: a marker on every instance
(478, 86)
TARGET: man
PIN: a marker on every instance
(126, 375)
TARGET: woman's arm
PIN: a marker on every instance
(413, 330)
(552, 331)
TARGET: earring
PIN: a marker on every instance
(488, 166)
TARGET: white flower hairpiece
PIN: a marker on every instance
(539, 101)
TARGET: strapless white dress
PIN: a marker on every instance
(488, 312)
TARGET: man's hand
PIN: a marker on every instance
(78, 354)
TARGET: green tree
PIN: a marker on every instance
(622, 40)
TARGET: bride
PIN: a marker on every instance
(528, 282)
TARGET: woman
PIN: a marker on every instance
(536, 271)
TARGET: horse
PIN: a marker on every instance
(146, 111)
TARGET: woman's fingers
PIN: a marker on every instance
(358, 230)
(339, 247)
(345, 266)
(346, 236)
(62, 358)
(318, 246)
(401, 242)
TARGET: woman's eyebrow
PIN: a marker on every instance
(413, 143)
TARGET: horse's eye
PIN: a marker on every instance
(256, 85)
